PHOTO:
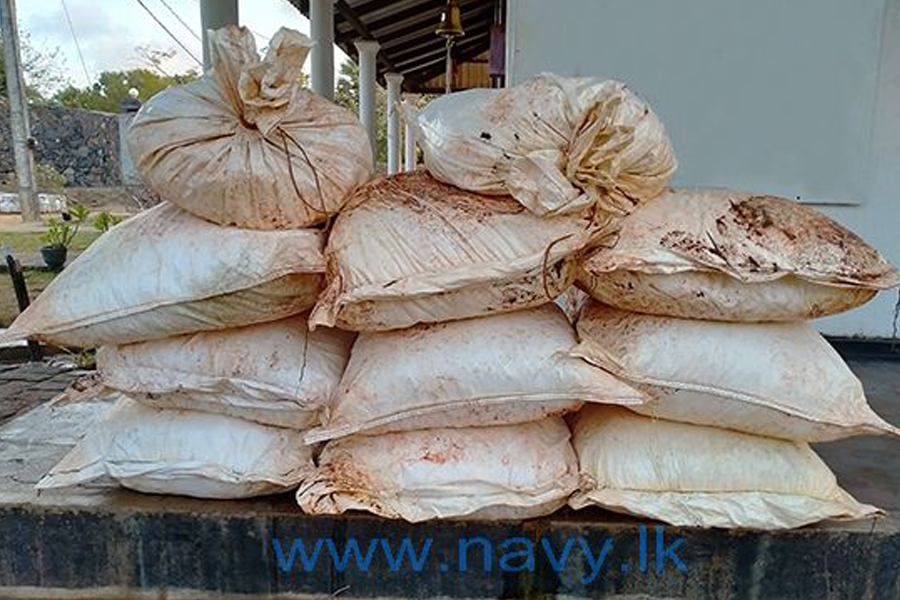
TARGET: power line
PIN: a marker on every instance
(180, 20)
(166, 29)
(87, 75)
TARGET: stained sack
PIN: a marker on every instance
(711, 253)
(245, 145)
(504, 369)
(694, 476)
(502, 472)
(184, 453)
(774, 379)
(277, 373)
(556, 144)
(165, 272)
(409, 249)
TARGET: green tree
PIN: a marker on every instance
(111, 89)
(43, 69)
(347, 95)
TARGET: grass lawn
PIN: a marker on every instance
(36, 281)
(21, 243)
(31, 242)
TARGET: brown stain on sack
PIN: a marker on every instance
(767, 234)
(814, 240)
(345, 474)
(422, 193)
(440, 452)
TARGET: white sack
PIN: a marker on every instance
(276, 373)
(245, 145)
(408, 249)
(503, 472)
(185, 453)
(165, 272)
(776, 379)
(710, 253)
(556, 144)
(694, 476)
(504, 369)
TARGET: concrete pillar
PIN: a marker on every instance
(23, 145)
(321, 28)
(215, 14)
(393, 121)
(130, 108)
(409, 152)
(367, 113)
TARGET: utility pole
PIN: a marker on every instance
(23, 144)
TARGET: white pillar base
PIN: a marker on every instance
(213, 15)
(409, 152)
(394, 95)
(368, 49)
(321, 29)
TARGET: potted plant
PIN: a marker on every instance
(60, 234)
(105, 220)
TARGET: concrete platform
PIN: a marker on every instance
(110, 543)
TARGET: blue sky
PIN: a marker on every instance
(110, 30)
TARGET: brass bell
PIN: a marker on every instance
(451, 21)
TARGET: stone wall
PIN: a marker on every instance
(83, 145)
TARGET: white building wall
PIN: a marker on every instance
(799, 99)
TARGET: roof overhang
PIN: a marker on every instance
(405, 30)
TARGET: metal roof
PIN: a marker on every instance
(405, 31)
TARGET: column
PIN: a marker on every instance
(367, 50)
(321, 27)
(409, 152)
(20, 133)
(213, 15)
(393, 121)
(130, 108)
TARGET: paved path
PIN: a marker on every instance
(24, 386)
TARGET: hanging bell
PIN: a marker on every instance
(451, 21)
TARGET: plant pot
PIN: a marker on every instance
(54, 256)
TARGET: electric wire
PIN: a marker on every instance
(87, 74)
(171, 35)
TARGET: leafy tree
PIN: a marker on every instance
(43, 70)
(347, 95)
(112, 87)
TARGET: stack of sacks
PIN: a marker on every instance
(200, 304)
(720, 284)
(209, 339)
(450, 404)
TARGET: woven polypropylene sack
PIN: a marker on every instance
(502, 472)
(184, 453)
(556, 144)
(709, 253)
(245, 145)
(409, 249)
(276, 373)
(776, 379)
(504, 369)
(165, 272)
(695, 476)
